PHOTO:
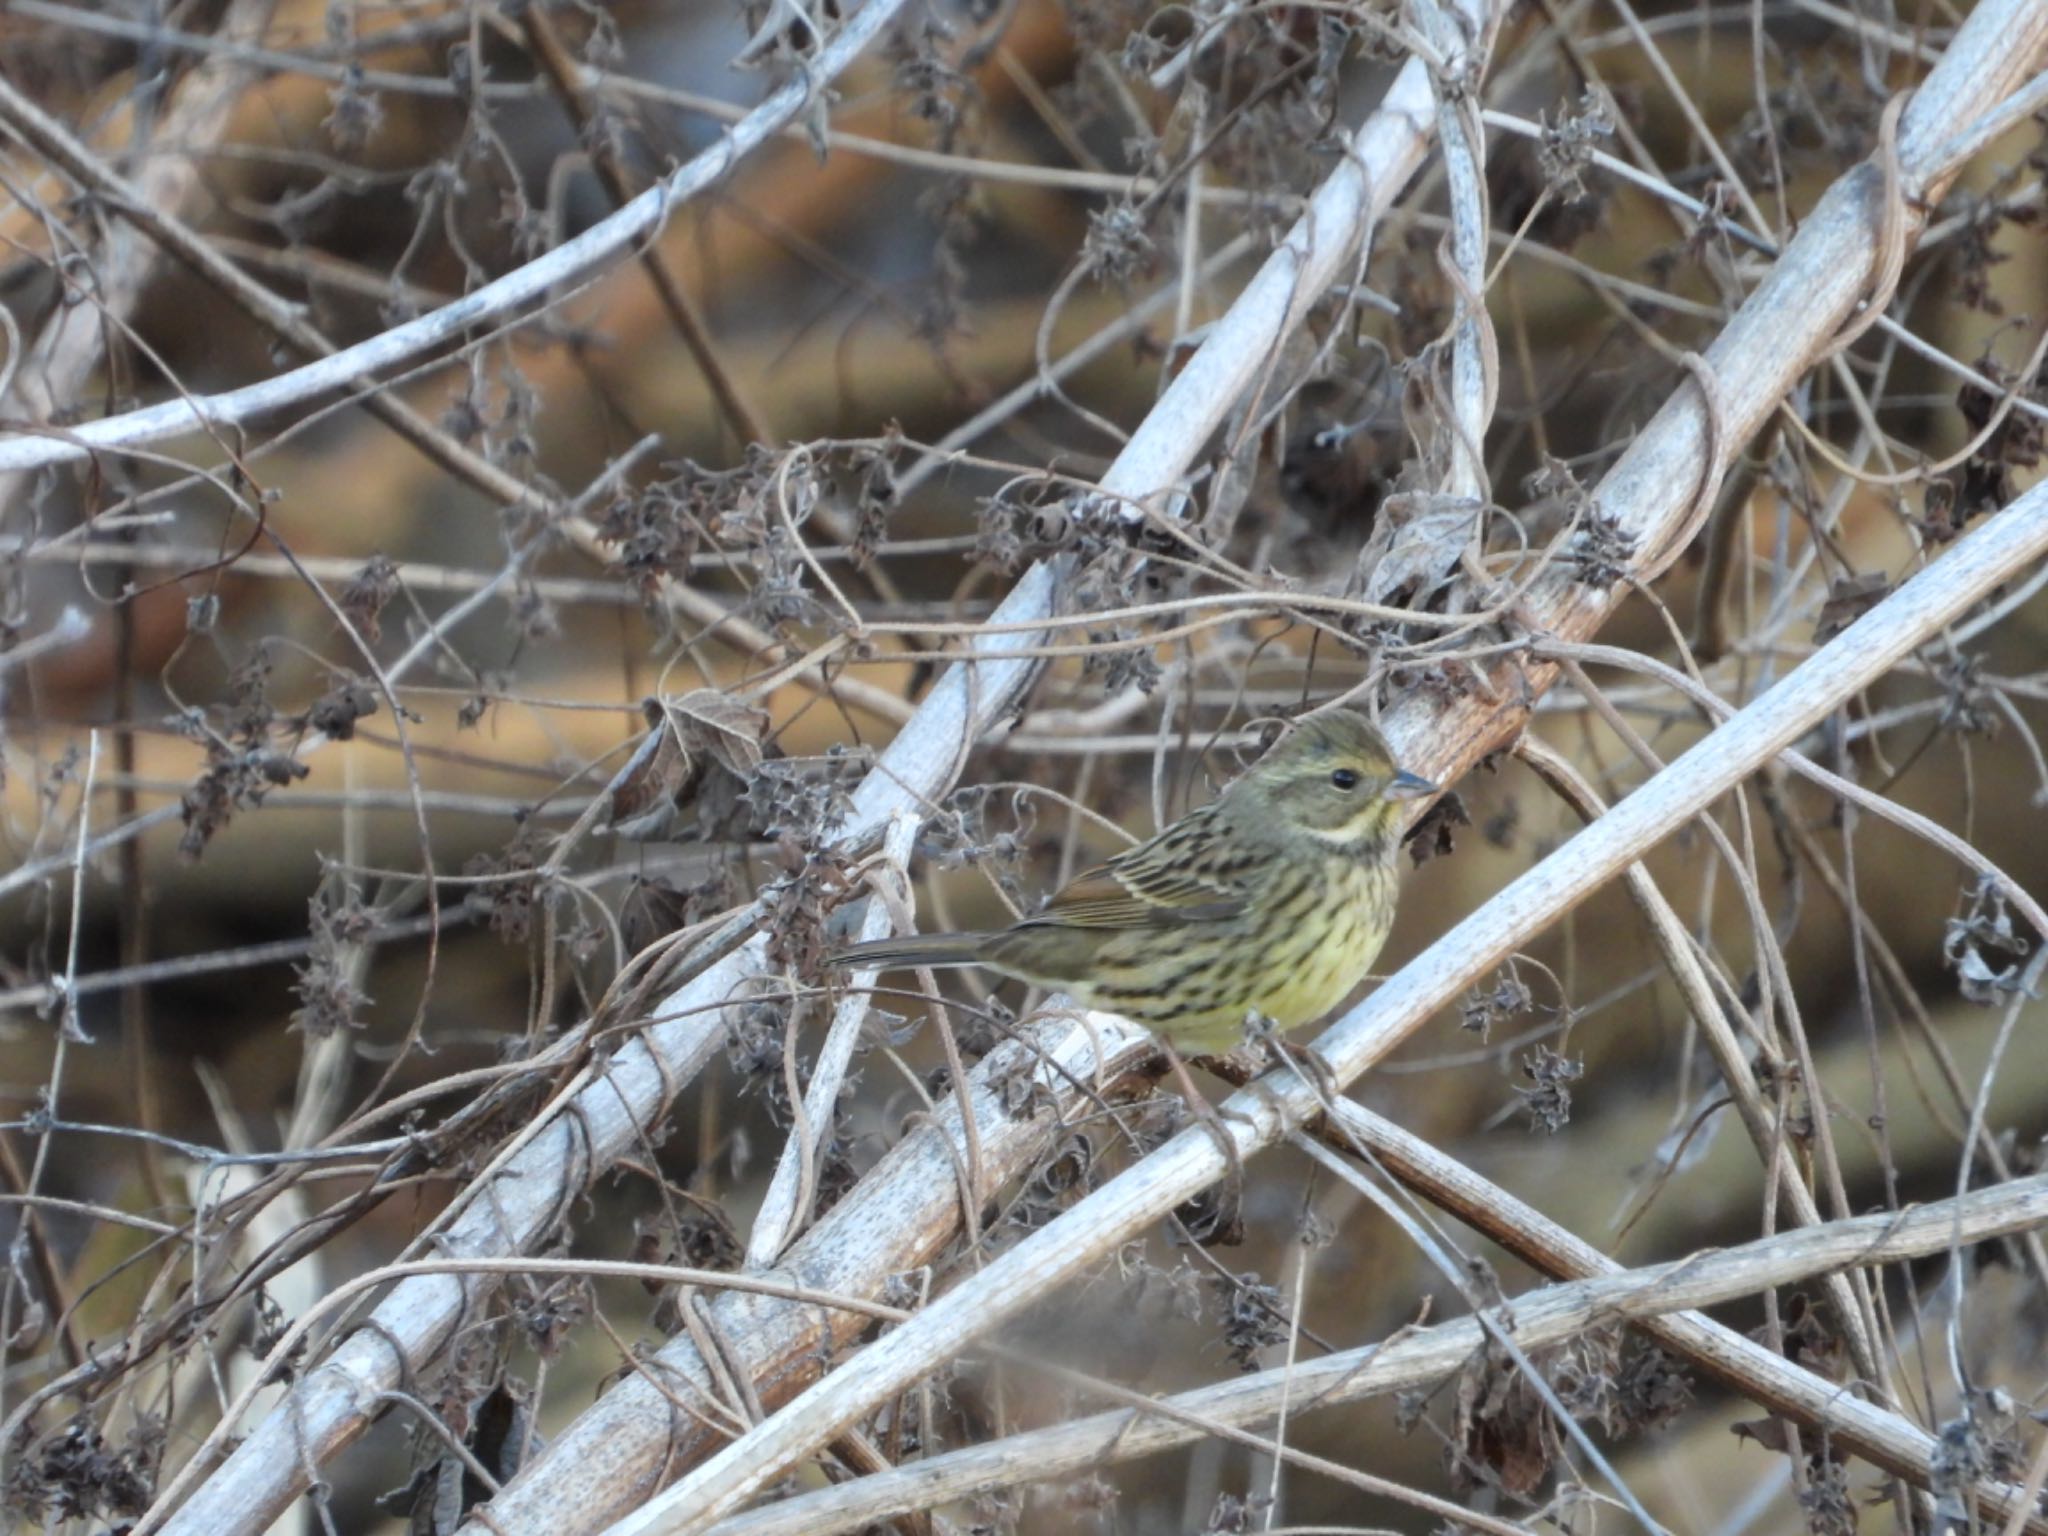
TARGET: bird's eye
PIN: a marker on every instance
(1345, 778)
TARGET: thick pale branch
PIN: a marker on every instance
(1746, 1366)
(1422, 1357)
(1657, 491)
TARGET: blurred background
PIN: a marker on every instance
(294, 903)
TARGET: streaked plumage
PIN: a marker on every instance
(1274, 897)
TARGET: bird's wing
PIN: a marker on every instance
(1176, 878)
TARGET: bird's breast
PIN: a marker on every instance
(1326, 939)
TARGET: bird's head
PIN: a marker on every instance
(1332, 780)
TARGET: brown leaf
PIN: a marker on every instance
(1503, 1429)
(1771, 1434)
(1435, 835)
(659, 773)
(727, 729)
(363, 600)
(1515, 1451)
(1848, 600)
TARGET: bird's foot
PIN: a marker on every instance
(1266, 1046)
(1321, 1075)
(1215, 1217)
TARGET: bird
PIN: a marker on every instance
(1271, 900)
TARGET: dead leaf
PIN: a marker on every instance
(729, 730)
(644, 793)
(1848, 600)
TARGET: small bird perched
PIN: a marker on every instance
(1273, 898)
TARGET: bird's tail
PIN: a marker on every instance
(939, 949)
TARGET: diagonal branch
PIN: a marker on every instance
(1662, 1297)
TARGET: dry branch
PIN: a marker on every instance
(1759, 1373)
(1423, 1357)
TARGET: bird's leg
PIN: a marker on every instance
(1225, 1224)
(1281, 1051)
(1245, 1060)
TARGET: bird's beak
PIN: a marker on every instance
(1409, 786)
